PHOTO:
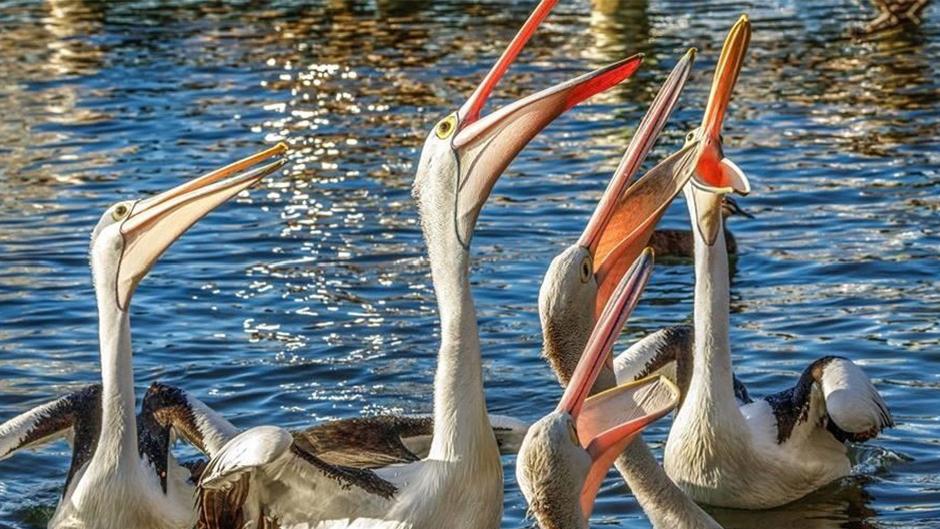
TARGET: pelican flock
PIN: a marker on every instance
(725, 447)
(272, 478)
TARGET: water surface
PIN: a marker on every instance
(309, 299)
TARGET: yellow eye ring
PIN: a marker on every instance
(119, 212)
(446, 127)
(586, 269)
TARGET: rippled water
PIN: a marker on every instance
(310, 299)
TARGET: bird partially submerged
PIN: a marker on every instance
(578, 282)
(679, 244)
(770, 451)
(577, 287)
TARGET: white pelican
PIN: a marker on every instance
(567, 453)
(774, 450)
(122, 474)
(578, 283)
(272, 477)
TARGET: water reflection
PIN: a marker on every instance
(60, 46)
(310, 298)
(842, 505)
(619, 27)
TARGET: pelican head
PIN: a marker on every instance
(566, 454)
(466, 152)
(132, 235)
(579, 281)
(715, 175)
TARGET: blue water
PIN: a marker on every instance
(310, 299)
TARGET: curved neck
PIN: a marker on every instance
(664, 503)
(712, 386)
(461, 424)
(118, 439)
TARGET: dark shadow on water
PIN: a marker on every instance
(842, 505)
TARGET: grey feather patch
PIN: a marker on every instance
(86, 409)
(365, 442)
(347, 477)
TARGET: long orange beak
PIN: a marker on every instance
(470, 111)
(605, 334)
(485, 145)
(611, 419)
(710, 170)
(716, 175)
(626, 215)
(726, 75)
(606, 422)
(153, 224)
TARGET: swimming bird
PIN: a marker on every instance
(566, 454)
(679, 244)
(122, 474)
(578, 282)
(577, 286)
(773, 450)
(273, 477)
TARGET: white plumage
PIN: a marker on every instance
(851, 400)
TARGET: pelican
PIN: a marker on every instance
(273, 478)
(566, 454)
(122, 474)
(773, 450)
(578, 284)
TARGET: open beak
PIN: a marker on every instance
(626, 215)
(716, 175)
(485, 145)
(470, 111)
(606, 422)
(613, 418)
(605, 334)
(726, 75)
(153, 224)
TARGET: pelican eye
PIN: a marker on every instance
(119, 212)
(585, 269)
(446, 127)
(690, 136)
